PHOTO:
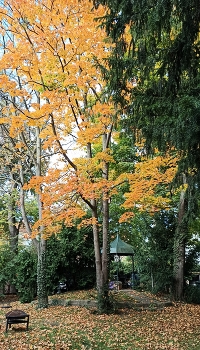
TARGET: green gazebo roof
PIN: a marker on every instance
(119, 247)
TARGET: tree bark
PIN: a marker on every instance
(41, 241)
(101, 256)
(41, 275)
(13, 227)
(179, 246)
(13, 234)
(97, 249)
(104, 304)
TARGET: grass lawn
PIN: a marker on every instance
(74, 328)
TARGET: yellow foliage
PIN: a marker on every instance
(145, 182)
(57, 87)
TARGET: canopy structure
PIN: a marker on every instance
(120, 248)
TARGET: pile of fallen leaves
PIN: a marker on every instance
(73, 328)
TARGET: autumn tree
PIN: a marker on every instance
(49, 69)
(51, 64)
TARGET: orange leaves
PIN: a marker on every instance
(5, 83)
(90, 134)
(126, 216)
(55, 85)
(88, 222)
(4, 120)
(52, 50)
(104, 156)
(146, 184)
(68, 327)
(34, 183)
(97, 120)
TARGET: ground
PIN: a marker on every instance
(175, 327)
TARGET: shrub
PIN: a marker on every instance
(192, 294)
(26, 275)
(7, 267)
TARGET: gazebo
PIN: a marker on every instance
(120, 248)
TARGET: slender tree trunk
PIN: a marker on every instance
(97, 249)
(95, 229)
(41, 275)
(179, 246)
(13, 234)
(102, 260)
(13, 227)
(105, 226)
(41, 241)
(41, 245)
(102, 257)
(106, 242)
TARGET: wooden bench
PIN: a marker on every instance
(16, 316)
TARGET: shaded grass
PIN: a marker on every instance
(74, 328)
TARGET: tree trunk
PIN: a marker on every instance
(102, 262)
(13, 227)
(106, 241)
(102, 258)
(41, 275)
(100, 274)
(13, 233)
(41, 241)
(179, 262)
(102, 269)
(179, 246)
(105, 226)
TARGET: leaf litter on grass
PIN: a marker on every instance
(77, 328)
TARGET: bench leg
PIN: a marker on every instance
(8, 323)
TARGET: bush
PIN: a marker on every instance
(192, 294)
(70, 257)
(7, 267)
(26, 275)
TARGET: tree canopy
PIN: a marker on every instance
(70, 91)
(157, 50)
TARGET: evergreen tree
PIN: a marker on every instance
(154, 75)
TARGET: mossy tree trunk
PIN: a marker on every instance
(179, 245)
(42, 294)
(41, 275)
(13, 233)
(13, 226)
